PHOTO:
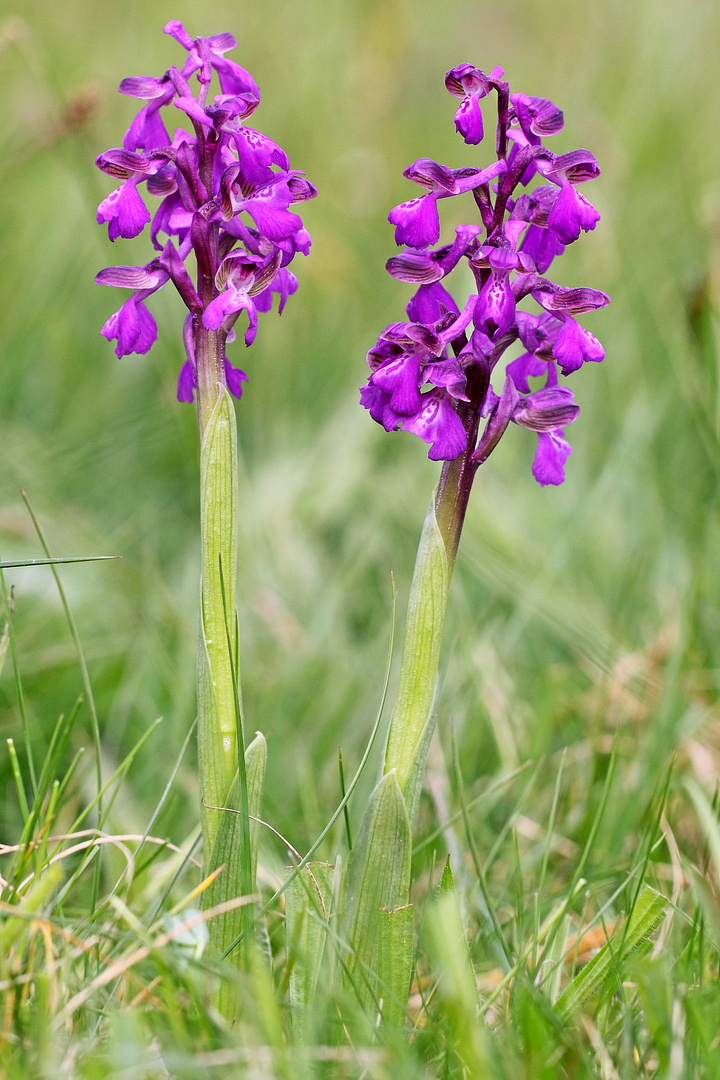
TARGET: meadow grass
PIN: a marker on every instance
(578, 744)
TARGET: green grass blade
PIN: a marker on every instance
(457, 995)
(72, 625)
(358, 772)
(17, 777)
(648, 913)
(9, 626)
(56, 562)
(489, 907)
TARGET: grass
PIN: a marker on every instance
(581, 662)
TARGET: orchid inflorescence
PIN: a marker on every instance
(450, 354)
(207, 181)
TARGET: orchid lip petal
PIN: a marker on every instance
(552, 453)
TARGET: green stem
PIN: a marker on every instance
(217, 657)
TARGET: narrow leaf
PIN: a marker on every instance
(413, 718)
(228, 852)
(307, 904)
(378, 876)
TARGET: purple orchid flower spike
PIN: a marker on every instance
(224, 232)
(433, 375)
(226, 192)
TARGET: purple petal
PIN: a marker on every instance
(430, 303)
(132, 277)
(468, 179)
(186, 383)
(143, 86)
(189, 339)
(542, 245)
(133, 326)
(526, 367)
(537, 116)
(163, 183)
(550, 457)
(546, 118)
(124, 211)
(577, 167)
(227, 303)
(376, 401)
(164, 219)
(271, 218)
(400, 378)
(234, 378)
(575, 345)
(431, 175)
(122, 164)
(571, 214)
(414, 267)
(256, 153)
(417, 222)
(290, 245)
(548, 409)
(575, 301)
(227, 109)
(222, 43)
(538, 332)
(495, 304)
(466, 79)
(285, 284)
(469, 121)
(300, 187)
(437, 423)
(235, 79)
(194, 110)
(176, 29)
(147, 131)
(449, 375)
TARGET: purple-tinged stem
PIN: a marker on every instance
(457, 476)
(209, 357)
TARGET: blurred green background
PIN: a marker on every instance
(573, 610)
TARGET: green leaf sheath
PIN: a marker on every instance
(395, 962)
(413, 718)
(378, 876)
(228, 852)
(217, 729)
